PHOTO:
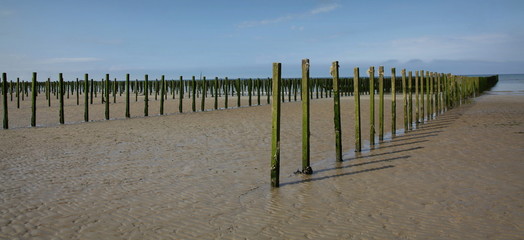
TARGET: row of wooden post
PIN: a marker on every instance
(462, 88)
(454, 90)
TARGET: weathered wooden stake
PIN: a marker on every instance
(226, 88)
(393, 103)
(4, 93)
(61, 97)
(410, 100)
(17, 92)
(422, 109)
(371, 73)
(275, 136)
(336, 110)
(204, 91)
(405, 100)
(417, 106)
(181, 97)
(356, 94)
(77, 92)
(86, 97)
(128, 114)
(49, 92)
(146, 95)
(193, 90)
(306, 168)
(162, 94)
(108, 84)
(216, 93)
(238, 92)
(381, 103)
(33, 101)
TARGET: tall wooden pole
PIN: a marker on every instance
(306, 168)
(336, 110)
(275, 136)
(381, 103)
(393, 103)
(358, 141)
(371, 73)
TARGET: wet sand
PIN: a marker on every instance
(205, 175)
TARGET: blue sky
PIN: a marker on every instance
(243, 38)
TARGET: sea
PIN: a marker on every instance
(509, 84)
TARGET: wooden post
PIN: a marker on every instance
(33, 101)
(268, 90)
(422, 109)
(108, 84)
(275, 136)
(204, 91)
(92, 91)
(17, 92)
(371, 73)
(336, 110)
(226, 88)
(216, 93)
(417, 106)
(181, 95)
(162, 93)
(258, 91)
(249, 90)
(146, 95)
(306, 168)
(238, 92)
(61, 97)
(4, 93)
(410, 100)
(393, 103)
(428, 102)
(49, 92)
(381, 103)
(128, 114)
(86, 97)
(356, 94)
(114, 90)
(405, 98)
(193, 95)
(77, 92)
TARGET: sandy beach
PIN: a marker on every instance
(205, 175)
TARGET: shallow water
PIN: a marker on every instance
(509, 84)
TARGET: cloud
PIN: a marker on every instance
(324, 9)
(71, 60)
(315, 11)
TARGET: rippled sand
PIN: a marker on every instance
(206, 176)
